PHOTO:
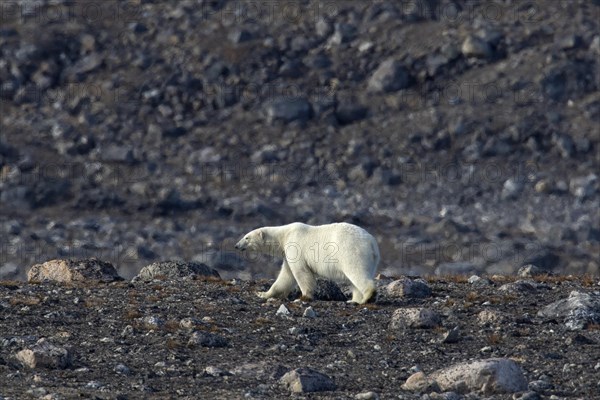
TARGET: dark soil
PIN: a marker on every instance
(353, 345)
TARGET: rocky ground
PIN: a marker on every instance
(179, 331)
(463, 135)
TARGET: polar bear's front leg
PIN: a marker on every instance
(306, 280)
(283, 285)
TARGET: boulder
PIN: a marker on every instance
(69, 271)
(305, 380)
(45, 355)
(488, 377)
(390, 76)
(414, 317)
(406, 287)
(577, 311)
(288, 109)
(174, 270)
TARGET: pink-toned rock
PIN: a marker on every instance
(45, 355)
(67, 271)
(305, 380)
(489, 377)
(415, 317)
(421, 383)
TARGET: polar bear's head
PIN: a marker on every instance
(253, 241)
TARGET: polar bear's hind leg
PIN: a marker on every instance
(356, 295)
(370, 293)
(363, 287)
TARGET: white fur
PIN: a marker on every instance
(340, 252)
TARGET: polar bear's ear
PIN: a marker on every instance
(261, 235)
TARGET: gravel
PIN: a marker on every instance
(215, 337)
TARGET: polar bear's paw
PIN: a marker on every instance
(306, 298)
(263, 295)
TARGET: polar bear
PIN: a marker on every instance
(340, 252)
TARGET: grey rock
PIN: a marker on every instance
(307, 380)
(406, 287)
(568, 42)
(128, 331)
(577, 311)
(413, 317)
(239, 36)
(283, 310)
(174, 270)
(491, 317)
(511, 189)
(318, 61)
(540, 386)
(175, 131)
(291, 69)
(207, 339)
(122, 369)
(152, 322)
(190, 323)
(479, 281)
(300, 44)
(529, 396)
(215, 371)
(442, 396)
(288, 109)
(348, 112)
(451, 336)
(565, 145)
(343, 33)
(94, 385)
(419, 382)
(584, 187)
(529, 270)
(117, 153)
(45, 355)
(309, 312)
(86, 64)
(367, 396)
(435, 62)
(474, 46)
(358, 173)
(390, 76)
(323, 27)
(518, 287)
(326, 290)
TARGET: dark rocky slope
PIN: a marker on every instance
(464, 135)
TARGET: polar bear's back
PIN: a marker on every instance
(353, 240)
(338, 243)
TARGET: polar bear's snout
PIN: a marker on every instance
(240, 245)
